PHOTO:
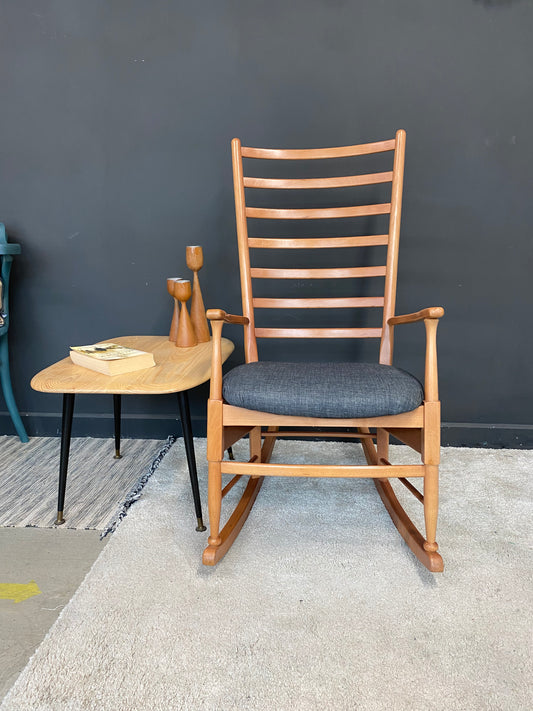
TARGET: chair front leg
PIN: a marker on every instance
(215, 453)
(431, 506)
(214, 502)
(431, 460)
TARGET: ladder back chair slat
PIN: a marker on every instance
(318, 153)
(318, 332)
(317, 213)
(335, 273)
(315, 303)
(317, 242)
(345, 181)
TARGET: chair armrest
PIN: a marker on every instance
(430, 317)
(220, 315)
(433, 312)
(218, 318)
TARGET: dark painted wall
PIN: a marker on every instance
(116, 118)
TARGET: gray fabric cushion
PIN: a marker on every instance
(323, 389)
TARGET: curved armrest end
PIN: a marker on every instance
(435, 312)
(215, 314)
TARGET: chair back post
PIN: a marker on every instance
(250, 343)
(387, 339)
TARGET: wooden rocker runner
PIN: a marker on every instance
(371, 400)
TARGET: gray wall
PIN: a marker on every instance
(116, 118)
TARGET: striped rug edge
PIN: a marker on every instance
(136, 491)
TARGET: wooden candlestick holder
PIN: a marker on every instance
(173, 334)
(186, 336)
(195, 261)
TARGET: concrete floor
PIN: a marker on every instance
(57, 560)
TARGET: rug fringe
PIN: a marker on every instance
(136, 491)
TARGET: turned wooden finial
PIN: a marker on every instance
(173, 334)
(186, 336)
(195, 261)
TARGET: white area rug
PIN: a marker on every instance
(319, 604)
(97, 484)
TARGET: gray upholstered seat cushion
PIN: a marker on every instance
(342, 390)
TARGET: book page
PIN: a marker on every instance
(107, 351)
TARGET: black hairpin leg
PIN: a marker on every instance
(66, 430)
(185, 415)
(117, 402)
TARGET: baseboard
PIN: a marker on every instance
(89, 424)
(492, 436)
(139, 426)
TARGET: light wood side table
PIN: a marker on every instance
(177, 370)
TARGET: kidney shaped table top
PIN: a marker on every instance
(176, 370)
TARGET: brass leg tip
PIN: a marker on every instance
(118, 455)
(200, 527)
(59, 520)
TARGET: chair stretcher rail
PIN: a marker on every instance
(334, 471)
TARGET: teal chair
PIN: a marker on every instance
(6, 259)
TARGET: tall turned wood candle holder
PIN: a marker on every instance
(186, 336)
(195, 261)
(173, 334)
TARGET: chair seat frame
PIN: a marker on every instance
(419, 429)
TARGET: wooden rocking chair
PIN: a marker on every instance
(376, 400)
